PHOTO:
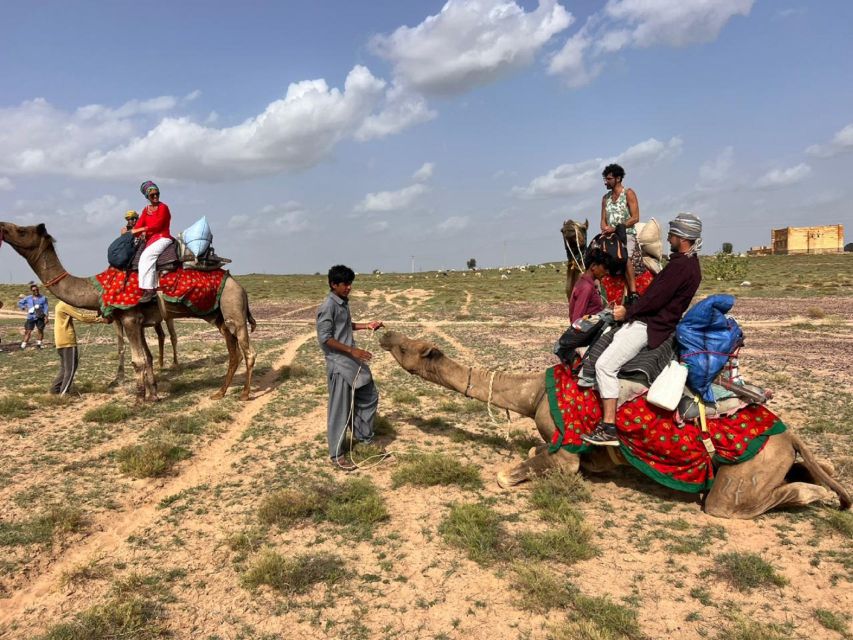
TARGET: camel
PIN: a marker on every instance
(36, 246)
(161, 343)
(574, 240)
(743, 490)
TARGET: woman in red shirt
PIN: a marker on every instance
(153, 225)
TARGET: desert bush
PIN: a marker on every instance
(40, 529)
(569, 542)
(745, 571)
(556, 493)
(133, 618)
(151, 459)
(296, 575)
(15, 407)
(433, 469)
(539, 588)
(726, 266)
(474, 528)
(109, 413)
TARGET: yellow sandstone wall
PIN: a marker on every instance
(823, 239)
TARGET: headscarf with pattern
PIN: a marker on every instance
(147, 187)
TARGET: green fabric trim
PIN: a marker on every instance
(755, 445)
(662, 478)
(557, 417)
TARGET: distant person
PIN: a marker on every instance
(586, 295)
(131, 217)
(37, 310)
(153, 225)
(620, 206)
(650, 321)
(65, 339)
(348, 374)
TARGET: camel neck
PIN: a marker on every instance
(73, 290)
(516, 392)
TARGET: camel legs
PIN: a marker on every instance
(120, 339)
(537, 465)
(146, 385)
(161, 340)
(234, 306)
(233, 357)
(173, 338)
(751, 488)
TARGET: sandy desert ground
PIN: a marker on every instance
(201, 518)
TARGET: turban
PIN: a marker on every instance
(147, 186)
(131, 214)
(686, 225)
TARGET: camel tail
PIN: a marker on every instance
(252, 323)
(819, 474)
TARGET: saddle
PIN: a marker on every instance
(166, 261)
(177, 255)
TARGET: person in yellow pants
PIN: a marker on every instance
(65, 339)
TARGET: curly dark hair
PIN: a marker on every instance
(594, 255)
(613, 169)
(341, 273)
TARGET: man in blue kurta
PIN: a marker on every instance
(353, 397)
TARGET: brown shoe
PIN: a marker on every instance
(343, 463)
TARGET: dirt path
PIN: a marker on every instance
(112, 530)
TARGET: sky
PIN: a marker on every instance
(384, 134)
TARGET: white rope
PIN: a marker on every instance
(351, 422)
(578, 261)
(489, 402)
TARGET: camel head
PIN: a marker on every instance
(413, 355)
(24, 240)
(574, 233)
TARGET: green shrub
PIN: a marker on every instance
(475, 528)
(725, 266)
(745, 571)
(296, 575)
(429, 470)
(109, 413)
(151, 459)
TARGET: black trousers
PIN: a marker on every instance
(68, 360)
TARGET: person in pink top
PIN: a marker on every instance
(586, 296)
(153, 225)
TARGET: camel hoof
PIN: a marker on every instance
(503, 480)
(218, 395)
(244, 397)
(152, 399)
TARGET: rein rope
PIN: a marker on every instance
(576, 259)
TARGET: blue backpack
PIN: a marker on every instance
(121, 250)
(706, 337)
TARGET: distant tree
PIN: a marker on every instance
(727, 247)
(472, 263)
(848, 247)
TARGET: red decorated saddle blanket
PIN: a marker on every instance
(197, 290)
(651, 440)
(614, 286)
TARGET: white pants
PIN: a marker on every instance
(627, 343)
(148, 263)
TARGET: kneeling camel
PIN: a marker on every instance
(742, 490)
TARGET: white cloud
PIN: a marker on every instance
(105, 210)
(470, 43)
(424, 173)
(579, 177)
(454, 223)
(841, 142)
(624, 24)
(278, 220)
(293, 133)
(717, 170)
(6, 184)
(392, 200)
(402, 109)
(783, 177)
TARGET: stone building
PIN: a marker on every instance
(796, 240)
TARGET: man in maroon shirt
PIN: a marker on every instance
(651, 320)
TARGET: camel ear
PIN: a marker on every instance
(41, 229)
(586, 224)
(430, 351)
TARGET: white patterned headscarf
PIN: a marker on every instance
(689, 226)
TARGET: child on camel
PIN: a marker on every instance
(348, 373)
(586, 296)
(153, 224)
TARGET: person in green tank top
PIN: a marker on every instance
(620, 206)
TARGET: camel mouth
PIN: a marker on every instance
(386, 340)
